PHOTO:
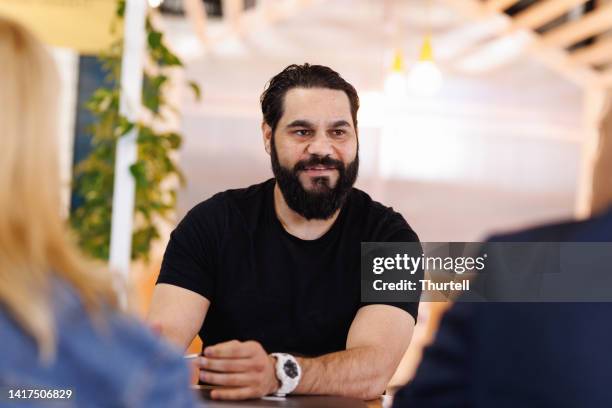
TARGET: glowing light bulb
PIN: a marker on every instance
(395, 84)
(155, 3)
(425, 77)
(395, 81)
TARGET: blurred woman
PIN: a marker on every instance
(59, 326)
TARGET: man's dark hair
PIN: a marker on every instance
(303, 76)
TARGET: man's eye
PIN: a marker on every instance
(338, 132)
(302, 132)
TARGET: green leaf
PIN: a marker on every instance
(123, 127)
(197, 92)
(121, 8)
(146, 135)
(152, 96)
(174, 139)
(155, 39)
(170, 59)
(148, 25)
(139, 172)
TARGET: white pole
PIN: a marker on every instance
(126, 154)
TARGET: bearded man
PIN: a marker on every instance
(269, 275)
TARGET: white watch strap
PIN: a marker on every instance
(288, 373)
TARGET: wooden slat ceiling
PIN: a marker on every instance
(499, 5)
(576, 33)
(542, 12)
(599, 53)
(593, 23)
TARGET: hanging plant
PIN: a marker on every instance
(155, 168)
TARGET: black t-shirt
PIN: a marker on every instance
(264, 284)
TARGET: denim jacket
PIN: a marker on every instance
(119, 364)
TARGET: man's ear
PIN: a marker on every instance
(266, 131)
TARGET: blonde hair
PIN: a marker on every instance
(35, 245)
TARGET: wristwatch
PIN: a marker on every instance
(288, 373)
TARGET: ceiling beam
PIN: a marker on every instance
(590, 24)
(559, 60)
(196, 13)
(596, 54)
(544, 11)
(497, 6)
(556, 59)
(239, 22)
(233, 11)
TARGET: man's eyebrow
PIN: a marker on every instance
(300, 123)
(340, 123)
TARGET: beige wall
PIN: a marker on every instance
(81, 25)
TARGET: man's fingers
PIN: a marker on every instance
(228, 365)
(234, 393)
(232, 349)
(229, 379)
(244, 367)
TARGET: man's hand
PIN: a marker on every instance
(244, 366)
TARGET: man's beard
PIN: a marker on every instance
(323, 201)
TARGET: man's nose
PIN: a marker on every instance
(320, 145)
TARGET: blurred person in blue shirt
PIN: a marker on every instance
(529, 354)
(60, 330)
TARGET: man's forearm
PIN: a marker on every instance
(360, 372)
(177, 314)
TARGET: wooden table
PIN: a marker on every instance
(301, 401)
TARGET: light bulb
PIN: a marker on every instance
(395, 84)
(395, 81)
(425, 78)
(155, 3)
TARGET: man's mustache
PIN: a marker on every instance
(315, 161)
